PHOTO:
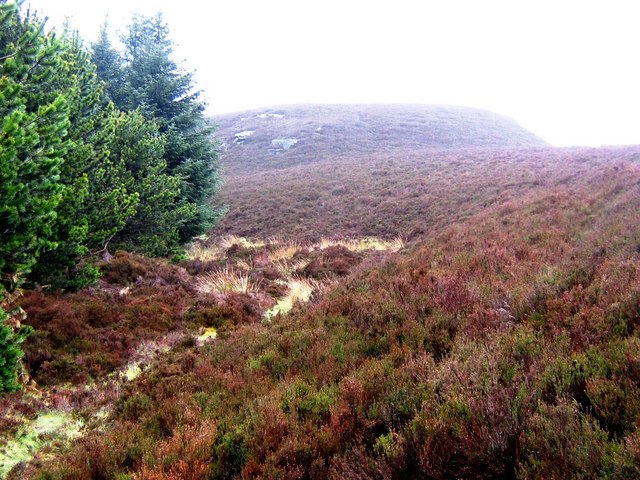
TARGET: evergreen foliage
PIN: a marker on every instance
(32, 145)
(10, 353)
(146, 78)
(109, 67)
(93, 156)
(97, 203)
(154, 229)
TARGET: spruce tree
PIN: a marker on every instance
(154, 229)
(163, 92)
(109, 67)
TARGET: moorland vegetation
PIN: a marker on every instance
(375, 307)
(501, 345)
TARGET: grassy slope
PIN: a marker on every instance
(503, 345)
(397, 193)
(382, 170)
(501, 342)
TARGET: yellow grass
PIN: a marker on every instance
(229, 241)
(245, 264)
(361, 245)
(284, 252)
(288, 267)
(203, 252)
(226, 280)
(300, 290)
(198, 250)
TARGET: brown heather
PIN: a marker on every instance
(404, 192)
(502, 341)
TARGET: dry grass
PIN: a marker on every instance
(228, 241)
(396, 244)
(287, 267)
(284, 251)
(216, 251)
(245, 264)
(299, 290)
(361, 244)
(203, 252)
(226, 280)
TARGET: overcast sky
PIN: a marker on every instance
(568, 70)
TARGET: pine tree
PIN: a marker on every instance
(10, 353)
(32, 145)
(96, 204)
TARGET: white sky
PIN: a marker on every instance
(568, 70)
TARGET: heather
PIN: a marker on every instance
(396, 291)
(406, 192)
(87, 346)
(503, 345)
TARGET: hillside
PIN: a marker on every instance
(400, 192)
(491, 330)
(279, 137)
(500, 345)
(377, 170)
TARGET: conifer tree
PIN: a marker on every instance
(165, 93)
(76, 173)
(154, 229)
(96, 204)
(109, 67)
(32, 145)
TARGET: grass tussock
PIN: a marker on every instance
(284, 251)
(228, 241)
(361, 244)
(299, 290)
(226, 280)
(245, 264)
(288, 267)
(203, 252)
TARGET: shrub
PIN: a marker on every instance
(229, 454)
(559, 440)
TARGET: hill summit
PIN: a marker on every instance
(283, 136)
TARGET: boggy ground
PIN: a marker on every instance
(502, 345)
(88, 346)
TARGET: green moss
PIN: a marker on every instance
(132, 371)
(386, 446)
(282, 307)
(44, 430)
